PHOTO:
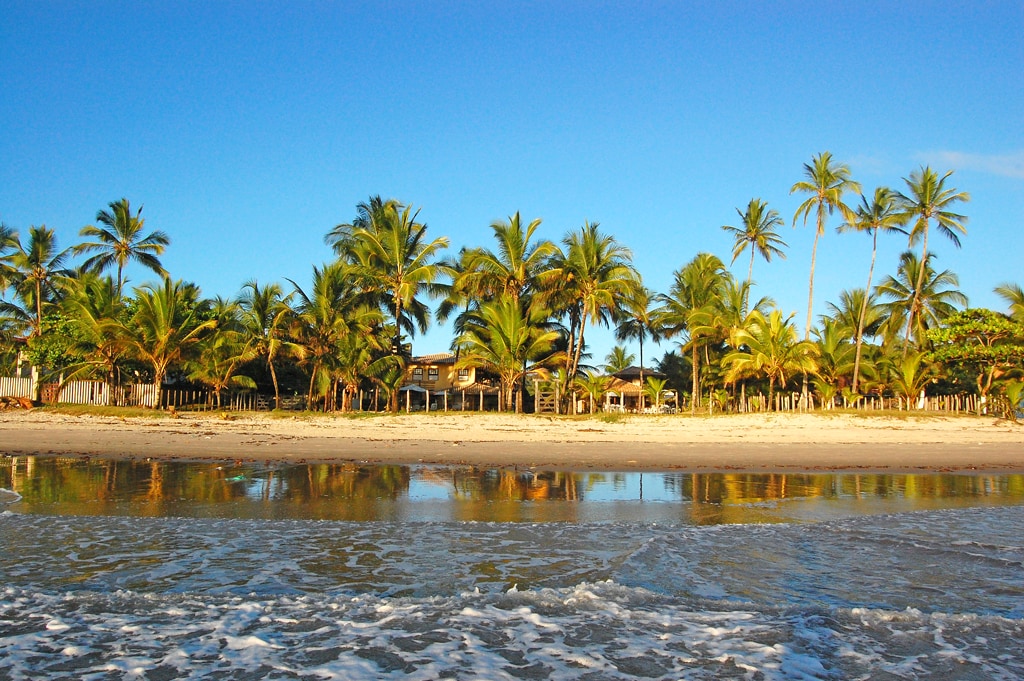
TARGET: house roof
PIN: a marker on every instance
(632, 373)
(436, 358)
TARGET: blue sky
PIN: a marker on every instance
(249, 129)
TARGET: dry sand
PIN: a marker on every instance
(752, 442)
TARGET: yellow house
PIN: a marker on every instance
(437, 372)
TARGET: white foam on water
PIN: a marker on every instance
(921, 595)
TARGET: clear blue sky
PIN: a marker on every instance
(248, 130)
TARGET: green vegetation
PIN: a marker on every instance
(523, 306)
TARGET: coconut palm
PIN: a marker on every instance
(589, 282)
(769, 347)
(910, 376)
(36, 272)
(118, 240)
(836, 355)
(639, 321)
(393, 260)
(826, 181)
(168, 323)
(757, 233)
(264, 316)
(881, 214)
(619, 359)
(509, 341)
(1014, 297)
(330, 311)
(688, 306)
(221, 351)
(927, 200)
(96, 310)
(513, 270)
(653, 388)
(594, 386)
(925, 306)
(8, 243)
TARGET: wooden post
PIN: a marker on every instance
(408, 406)
(481, 399)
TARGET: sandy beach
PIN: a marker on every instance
(754, 442)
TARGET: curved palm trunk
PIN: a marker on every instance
(273, 377)
(859, 341)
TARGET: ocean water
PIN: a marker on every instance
(804, 592)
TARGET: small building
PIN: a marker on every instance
(626, 391)
(432, 382)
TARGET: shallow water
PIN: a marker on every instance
(867, 578)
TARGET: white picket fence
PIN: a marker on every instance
(15, 387)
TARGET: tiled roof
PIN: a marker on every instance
(437, 358)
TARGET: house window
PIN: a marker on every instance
(463, 375)
(417, 374)
(432, 374)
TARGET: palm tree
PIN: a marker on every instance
(36, 272)
(639, 321)
(910, 377)
(332, 310)
(836, 357)
(1014, 297)
(618, 360)
(393, 260)
(594, 386)
(826, 182)
(264, 316)
(513, 270)
(925, 306)
(653, 388)
(881, 214)
(119, 240)
(768, 347)
(929, 200)
(757, 233)
(510, 341)
(589, 282)
(96, 310)
(167, 325)
(222, 351)
(689, 304)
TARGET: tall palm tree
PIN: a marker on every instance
(8, 242)
(1014, 297)
(513, 270)
(757, 233)
(36, 271)
(768, 347)
(589, 282)
(167, 325)
(929, 200)
(925, 306)
(118, 240)
(394, 260)
(881, 214)
(690, 302)
(639, 321)
(510, 341)
(264, 316)
(825, 181)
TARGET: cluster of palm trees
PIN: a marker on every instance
(523, 306)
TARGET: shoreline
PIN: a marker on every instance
(762, 443)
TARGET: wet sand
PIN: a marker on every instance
(748, 442)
